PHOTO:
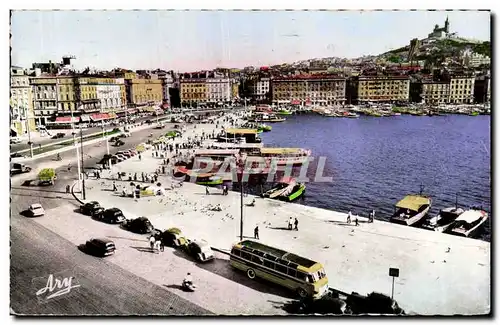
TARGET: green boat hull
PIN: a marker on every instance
(295, 195)
(284, 113)
(211, 183)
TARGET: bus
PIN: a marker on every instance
(301, 275)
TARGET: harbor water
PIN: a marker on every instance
(374, 162)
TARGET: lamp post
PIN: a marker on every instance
(29, 131)
(83, 168)
(73, 133)
(241, 206)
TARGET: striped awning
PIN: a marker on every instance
(66, 119)
(99, 117)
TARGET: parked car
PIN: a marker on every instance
(127, 154)
(113, 139)
(140, 225)
(200, 250)
(112, 215)
(173, 237)
(17, 155)
(125, 135)
(19, 169)
(36, 210)
(121, 157)
(119, 143)
(58, 135)
(118, 158)
(100, 247)
(91, 208)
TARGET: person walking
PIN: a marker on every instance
(152, 242)
(67, 189)
(207, 192)
(349, 217)
(290, 223)
(114, 187)
(356, 222)
(296, 224)
(256, 232)
(140, 157)
(372, 217)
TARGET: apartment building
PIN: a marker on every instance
(435, 92)
(316, 89)
(193, 91)
(218, 90)
(260, 88)
(21, 103)
(381, 88)
(45, 98)
(142, 92)
(462, 90)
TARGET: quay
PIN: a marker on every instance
(439, 274)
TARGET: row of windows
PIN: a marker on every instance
(273, 265)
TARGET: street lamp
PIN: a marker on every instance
(28, 128)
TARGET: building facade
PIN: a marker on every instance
(142, 92)
(462, 90)
(45, 98)
(383, 88)
(218, 90)
(435, 93)
(319, 90)
(193, 92)
(109, 96)
(260, 88)
(21, 103)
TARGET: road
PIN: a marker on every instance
(43, 142)
(38, 252)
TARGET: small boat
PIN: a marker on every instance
(411, 210)
(443, 220)
(474, 114)
(468, 223)
(208, 179)
(287, 189)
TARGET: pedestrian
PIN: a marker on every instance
(67, 189)
(152, 242)
(157, 246)
(296, 224)
(114, 187)
(98, 175)
(135, 177)
(162, 246)
(372, 216)
(140, 157)
(349, 217)
(290, 223)
(256, 232)
(356, 223)
(207, 192)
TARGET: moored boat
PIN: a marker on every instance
(468, 223)
(411, 210)
(208, 179)
(284, 112)
(443, 220)
(287, 189)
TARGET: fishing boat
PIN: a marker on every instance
(443, 220)
(292, 157)
(287, 189)
(474, 113)
(268, 118)
(411, 210)
(468, 223)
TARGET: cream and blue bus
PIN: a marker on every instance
(301, 275)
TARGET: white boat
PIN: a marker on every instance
(443, 220)
(411, 210)
(467, 224)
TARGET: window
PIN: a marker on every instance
(292, 272)
(281, 268)
(301, 276)
(246, 255)
(257, 260)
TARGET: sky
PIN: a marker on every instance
(197, 40)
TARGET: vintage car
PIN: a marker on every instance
(173, 237)
(112, 215)
(100, 247)
(140, 225)
(91, 208)
(200, 250)
(36, 210)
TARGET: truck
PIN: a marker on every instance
(47, 176)
(17, 168)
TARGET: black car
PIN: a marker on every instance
(91, 208)
(58, 135)
(140, 225)
(16, 155)
(100, 247)
(112, 215)
(119, 143)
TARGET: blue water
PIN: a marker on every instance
(375, 162)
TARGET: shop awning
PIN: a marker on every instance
(295, 102)
(148, 109)
(66, 119)
(99, 117)
(112, 115)
(85, 118)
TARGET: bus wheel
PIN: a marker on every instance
(251, 274)
(302, 293)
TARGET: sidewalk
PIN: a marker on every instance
(432, 281)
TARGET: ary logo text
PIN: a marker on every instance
(56, 286)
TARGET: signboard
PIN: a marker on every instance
(394, 272)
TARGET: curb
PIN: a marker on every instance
(73, 193)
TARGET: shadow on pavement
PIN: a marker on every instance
(58, 197)
(279, 228)
(126, 238)
(342, 223)
(174, 286)
(222, 268)
(145, 249)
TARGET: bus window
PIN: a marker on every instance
(235, 252)
(246, 255)
(292, 272)
(281, 268)
(257, 260)
(301, 276)
(310, 278)
(269, 264)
